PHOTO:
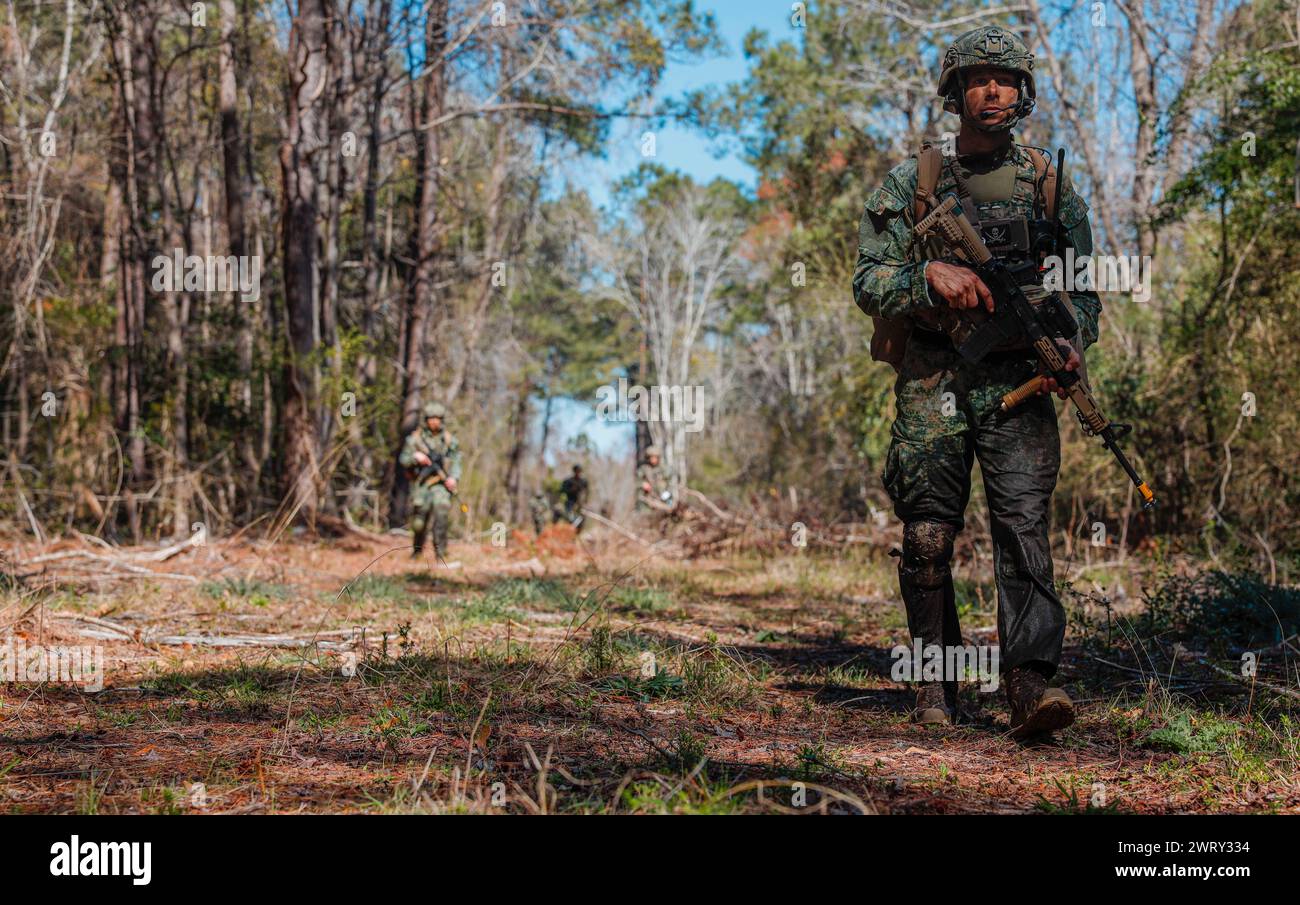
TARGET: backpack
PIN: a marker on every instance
(889, 335)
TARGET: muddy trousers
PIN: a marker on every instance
(929, 480)
(436, 515)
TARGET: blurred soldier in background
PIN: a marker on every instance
(539, 507)
(574, 489)
(653, 490)
(431, 457)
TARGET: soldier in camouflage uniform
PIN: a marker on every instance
(540, 508)
(431, 495)
(574, 488)
(947, 410)
(652, 484)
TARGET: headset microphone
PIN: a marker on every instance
(986, 114)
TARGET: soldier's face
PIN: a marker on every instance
(653, 460)
(988, 87)
(434, 423)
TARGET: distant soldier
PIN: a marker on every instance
(539, 507)
(653, 491)
(574, 489)
(431, 457)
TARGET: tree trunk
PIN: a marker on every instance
(236, 197)
(425, 243)
(307, 74)
(518, 446)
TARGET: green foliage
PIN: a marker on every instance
(1187, 733)
(1228, 611)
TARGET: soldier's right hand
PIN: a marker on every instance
(422, 459)
(959, 286)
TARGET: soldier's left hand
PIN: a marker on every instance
(451, 484)
(1072, 362)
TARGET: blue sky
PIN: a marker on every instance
(676, 148)
(679, 148)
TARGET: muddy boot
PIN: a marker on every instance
(932, 708)
(1036, 710)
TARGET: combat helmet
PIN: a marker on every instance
(435, 410)
(651, 451)
(988, 46)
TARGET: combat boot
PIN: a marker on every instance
(1036, 709)
(932, 707)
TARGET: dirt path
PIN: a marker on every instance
(609, 682)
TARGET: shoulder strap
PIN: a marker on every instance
(1042, 165)
(928, 164)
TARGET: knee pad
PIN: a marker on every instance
(927, 552)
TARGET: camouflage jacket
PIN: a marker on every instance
(426, 441)
(889, 279)
(655, 477)
(574, 490)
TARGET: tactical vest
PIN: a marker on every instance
(1007, 236)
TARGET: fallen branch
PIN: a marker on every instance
(162, 555)
(725, 516)
(1251, 680)
(105, 630)
(623, 531)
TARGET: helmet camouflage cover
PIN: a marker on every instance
(988, 46)
(651, 451)
(434, 410)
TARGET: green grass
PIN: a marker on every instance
(379, 588)
(660, 685)
(1073, 803)
(535, 593)
(698, 797)
(251, 591)
(246, 687)
(640, 600)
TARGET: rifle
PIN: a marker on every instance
(433, 470)
(436, 471)
(1014, 317)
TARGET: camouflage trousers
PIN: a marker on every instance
(947, 418)
(430, 507)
